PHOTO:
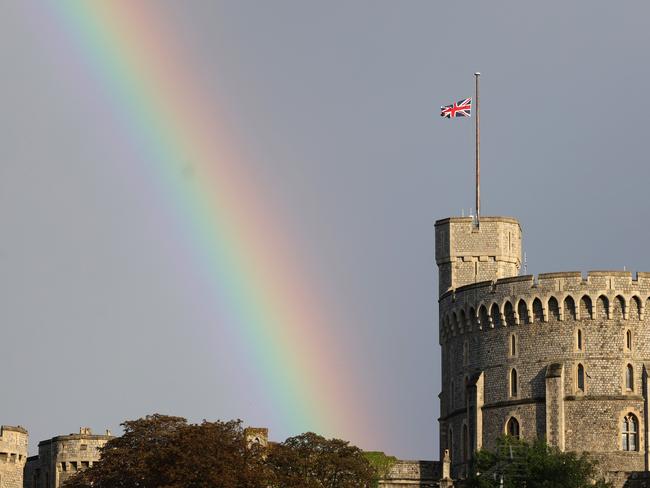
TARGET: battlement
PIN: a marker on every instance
(13, 455)
(467, 252)
(528, 299)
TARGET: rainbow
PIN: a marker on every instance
(172, 120)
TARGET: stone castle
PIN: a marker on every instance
(560, 356)
(58, 458)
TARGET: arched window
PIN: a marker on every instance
(513, 382)
(630, 433)
(580, 378)
(512, 428)
(553, 308)
(579, 341)
(496, 315)
(538, 310)
(513, 345)
(509, 313)
(629, 377)
(569, 308)
(522, 311)
(628, 339)
(465, 443)
(484, 318)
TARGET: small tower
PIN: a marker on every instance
(469, 253)
(13, 455)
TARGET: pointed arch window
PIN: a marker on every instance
(630, 433)
(513, 382)
(512, 428)
(629, 378)
(580, 378)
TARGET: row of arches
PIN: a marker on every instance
(512, 311)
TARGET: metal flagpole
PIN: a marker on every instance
(478, 155)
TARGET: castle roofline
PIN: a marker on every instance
(75, 437)
(14, 429)
(544, 277)
(493, 218)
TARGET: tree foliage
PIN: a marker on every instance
(311, 461)
(535, 465)
(160, 451)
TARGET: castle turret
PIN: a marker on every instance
(469, 253)
(13, 455)
(62, 457)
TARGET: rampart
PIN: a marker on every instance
(61, 457)
(13, 455)
(560, 356)
(526, 299)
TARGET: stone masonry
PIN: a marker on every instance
(13, 455)
(561, 356)
(62, 457)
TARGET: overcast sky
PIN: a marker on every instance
(337, 107)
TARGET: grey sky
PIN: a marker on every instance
(337, 106)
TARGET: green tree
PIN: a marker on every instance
(311, 461)
(535, 465)
(381, 464)
(160, 451)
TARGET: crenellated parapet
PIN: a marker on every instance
(529, 299)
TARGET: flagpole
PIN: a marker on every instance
(478, 155)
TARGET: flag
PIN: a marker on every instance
(462, 108)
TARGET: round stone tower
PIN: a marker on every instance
(558, 356)
(13, 455)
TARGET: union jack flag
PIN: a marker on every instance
(462, 108)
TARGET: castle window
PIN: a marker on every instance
(513, 382)
(450, 442)
(569, 308)
(522, 311)
(630, 433)
(73, 465)
(629, 378)
(538, 311)
(465, 353)
(628, 339)
(513, 345)
(579, 342)
(83, 447)
(581, 378)
(509, 313)
(512, 428)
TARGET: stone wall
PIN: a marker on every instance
(13, 456)
(413, 474)
(467, 253)
(556, 322)
(62, 457)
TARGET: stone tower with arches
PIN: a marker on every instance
(560, 356)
